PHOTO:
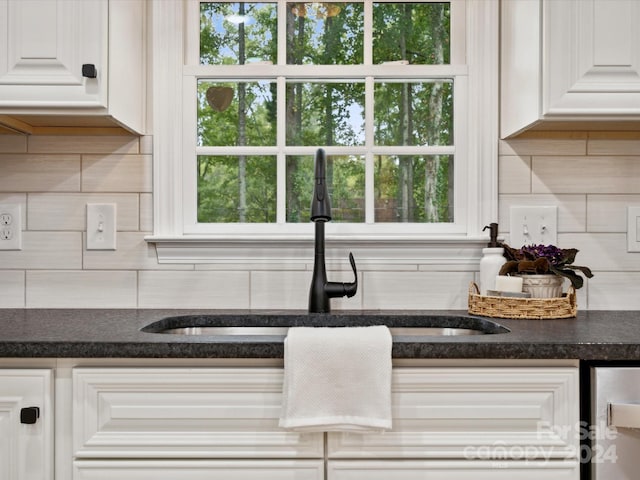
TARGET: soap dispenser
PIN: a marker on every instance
(492, 260)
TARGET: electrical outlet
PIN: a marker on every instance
(633, 228)
(101, 226)
(533, 225)
(10, 227)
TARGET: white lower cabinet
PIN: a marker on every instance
(475, 414)
(183, 413)
(452, 470)
(449, 423)
(26, 424)
(199, 470)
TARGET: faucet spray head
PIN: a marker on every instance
(320, 203)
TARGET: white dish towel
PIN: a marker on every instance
(337, 379)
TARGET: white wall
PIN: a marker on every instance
(592, 177)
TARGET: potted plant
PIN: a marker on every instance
(544, 265)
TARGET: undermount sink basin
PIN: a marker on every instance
(257, 325)
(282, 331)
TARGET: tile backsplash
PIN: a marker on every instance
(591, 176)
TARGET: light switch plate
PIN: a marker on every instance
(101, 226)
(633, 225)
(533, 225)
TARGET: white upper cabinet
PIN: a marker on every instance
(569, 61)
(72, 63)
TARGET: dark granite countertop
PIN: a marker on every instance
(59, 333)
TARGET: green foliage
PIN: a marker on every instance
(219, 187)
(407, 188)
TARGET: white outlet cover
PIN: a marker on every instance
(101, 226)
(533, 225)
(10, 226)
(633, 225)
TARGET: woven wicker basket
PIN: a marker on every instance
(525, 308)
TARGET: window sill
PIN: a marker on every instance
(295, 251)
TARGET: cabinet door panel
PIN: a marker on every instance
(26, 450)
(46, 43)
(472, 412)
(199, 470)
(184, 413)
(593, 52)
(453, 470)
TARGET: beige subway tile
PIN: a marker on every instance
(146, 212)
(571, 210)
(608, 213)
(544, 146)
(19, 199)
(116, 173)
(280, 289)
(251, 265)
(614, 291)
(132, 253)
(608, 135)
(68, 211)
(13, 144)
(514, 174)
(45, 250)
(194, 289)
(39, 173)
(81, 289)
(12, 289)
(614, 147)
(472, 266)
(601, 251)
(419, 290)
(121, 144)
(586, 175)
(290, 290)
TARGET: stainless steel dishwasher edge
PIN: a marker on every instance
(615, 423)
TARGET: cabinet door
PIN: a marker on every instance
(184, 413)
(199, 470)
(453, 470)
(44, 44)
(475, 413)
(26, 449)
(592, 49)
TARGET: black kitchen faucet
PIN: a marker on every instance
(321, 290)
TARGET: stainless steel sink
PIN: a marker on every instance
(273, 325)
(282, 331)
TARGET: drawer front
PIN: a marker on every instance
(183, 413)
(452, 470)
(475, 414)
(198, 470)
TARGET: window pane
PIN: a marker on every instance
(325, 114)
(413, 188)
(417, 33)
(324, 33)
(414, 113)
(345, 181)
(237, 33)
(236, 189)
(236, 114)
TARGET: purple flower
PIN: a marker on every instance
(553, 254)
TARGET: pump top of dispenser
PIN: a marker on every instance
(493, 235)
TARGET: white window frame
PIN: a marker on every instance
(179, 239)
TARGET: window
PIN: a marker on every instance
(391, 90)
